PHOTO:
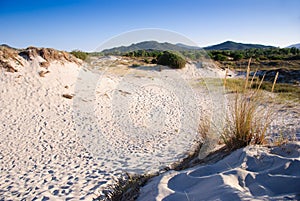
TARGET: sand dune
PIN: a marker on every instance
(252, 173)
(68, 129)
(41, 154)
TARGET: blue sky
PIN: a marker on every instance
(85, 24)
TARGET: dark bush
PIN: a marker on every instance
(171, 59)
(220, 57)
(154, 61)
(238, 56)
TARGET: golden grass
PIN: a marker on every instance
(284, 92)
(248, 120)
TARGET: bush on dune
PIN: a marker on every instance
(171, 59)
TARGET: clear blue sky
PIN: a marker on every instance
(75, 24)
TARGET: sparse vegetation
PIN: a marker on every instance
(7, 66)
(125, 188)
(79, 54)
(284, 90)
(248, 119)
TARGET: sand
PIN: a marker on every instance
(41, 154)
(68, 131)
(251, 173)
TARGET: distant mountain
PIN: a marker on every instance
(188, 46)
(154, 45)
(230, 45)
(295, 45)
(150, 45)
(7, 46)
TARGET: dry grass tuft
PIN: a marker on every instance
(248, 119)
(48, 54)
(125, 188)
(7, 66)
(6, 54)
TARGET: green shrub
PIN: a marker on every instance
(220, 57)
(135, 65)
(238, 56)
(79, 54)
(171, 59)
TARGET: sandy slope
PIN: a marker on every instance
(41, 155)
(252, 173)
(119, 119)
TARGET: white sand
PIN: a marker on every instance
(120, 119)
(41, 154)
(252, 173)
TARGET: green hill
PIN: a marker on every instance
(154, 45)
(149, 45)
(230, 45)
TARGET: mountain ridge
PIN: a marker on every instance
(297, 45)
(231, 45)
(147, 45)
(154, 45)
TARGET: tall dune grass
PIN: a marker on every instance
(248, 118)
